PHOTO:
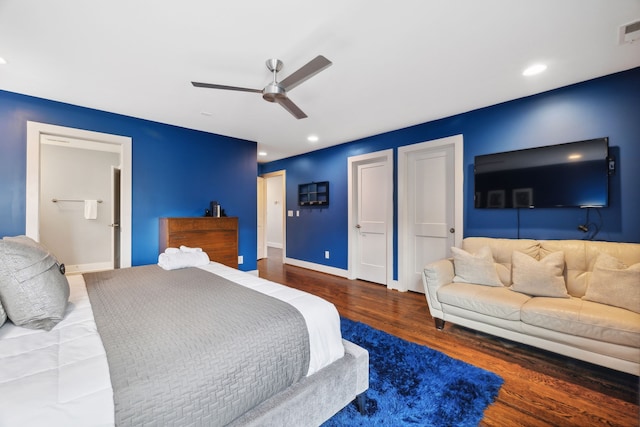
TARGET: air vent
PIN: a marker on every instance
(629, 33)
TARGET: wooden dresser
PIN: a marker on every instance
(218, 237)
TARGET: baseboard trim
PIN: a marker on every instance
(316, 267)
(87, 268)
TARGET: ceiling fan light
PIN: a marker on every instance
(273, 91)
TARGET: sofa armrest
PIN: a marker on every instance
(435, 275)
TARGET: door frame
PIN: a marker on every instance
(34, 131)
(116, 176)
(262, 215)
(283, 174)
(404, 239)
(384, 156)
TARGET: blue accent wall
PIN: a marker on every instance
(176, 171)
(607, 106)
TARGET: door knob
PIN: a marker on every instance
(452, 230)
(114, 225)
(357, 225)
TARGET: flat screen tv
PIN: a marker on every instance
(575, 174)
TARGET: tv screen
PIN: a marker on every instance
(575, 174)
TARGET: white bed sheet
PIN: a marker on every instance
(57, 378)
(61, 378)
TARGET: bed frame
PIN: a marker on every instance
(315, 399)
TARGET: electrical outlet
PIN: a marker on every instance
(240, 259)
(326, 254)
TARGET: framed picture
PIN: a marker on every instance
(522, 197)
(495, 199)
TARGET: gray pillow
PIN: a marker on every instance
(33, 289)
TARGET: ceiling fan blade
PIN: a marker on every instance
(214, 86)
(305, 72)
(288, 105)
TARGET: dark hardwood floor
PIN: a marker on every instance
(540, 388)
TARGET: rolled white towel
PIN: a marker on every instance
(182, 260)
(172, 251)
(189, 250)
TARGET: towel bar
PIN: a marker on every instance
(70, 200)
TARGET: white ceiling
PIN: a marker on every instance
(396, 63)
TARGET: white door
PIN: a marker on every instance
(430, 212)
(371, 217)
(372, 223)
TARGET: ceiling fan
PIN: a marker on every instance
(277, 91)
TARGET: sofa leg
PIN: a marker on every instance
(439, 323)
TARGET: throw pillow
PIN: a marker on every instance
(33, 289)
(477, 268)
(614, 283)
(539, 278)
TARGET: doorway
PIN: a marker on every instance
(370, 212)
(430, 195)
(272, 214)
(118, 232)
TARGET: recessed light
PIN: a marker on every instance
(534, 69)
(206, 113)
(2, 61)
(312, 138)
(262, 153)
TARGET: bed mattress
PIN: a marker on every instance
(56, 378)
(61, 377)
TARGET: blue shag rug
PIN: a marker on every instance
(413, 385)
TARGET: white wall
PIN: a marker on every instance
(73, 173)
(275, 209)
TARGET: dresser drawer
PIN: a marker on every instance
(200, 224)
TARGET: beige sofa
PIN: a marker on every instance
(573, 297)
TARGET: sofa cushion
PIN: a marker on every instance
(612, 282)
(539, 278)
(489, 300)
(477, 268)
(587, 319)
(502, 249)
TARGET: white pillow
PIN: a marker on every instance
(539, 278)
(614, 283)
(477, 268)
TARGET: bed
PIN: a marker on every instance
(98, 354)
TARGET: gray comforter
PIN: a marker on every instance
(187, 347)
